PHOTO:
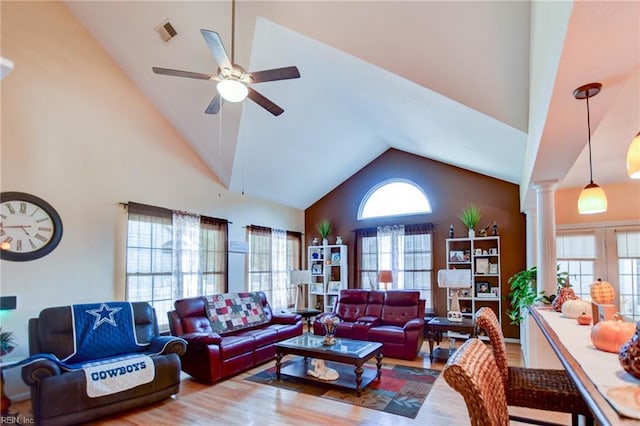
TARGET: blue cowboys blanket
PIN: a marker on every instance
(102, 333)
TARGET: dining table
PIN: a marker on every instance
(612, 394)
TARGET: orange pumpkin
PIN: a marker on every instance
(602, 292)
(584, 319)
(609, 336)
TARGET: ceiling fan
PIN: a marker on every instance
(234, 83)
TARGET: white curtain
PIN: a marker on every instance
(391, 253)
(187, 271)
(279, 271)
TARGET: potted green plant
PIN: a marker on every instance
(324, 228)
(7, 342)
(523, 292)
(470, 216)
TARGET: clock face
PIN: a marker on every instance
(29, 227)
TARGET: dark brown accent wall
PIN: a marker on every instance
(449, 189)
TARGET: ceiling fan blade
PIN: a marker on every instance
(264, 102)
(284, 73)
(217, 48)
(214, 105)
(178, 73)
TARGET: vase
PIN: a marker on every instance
(325, 242)
(629, 355)
(472, 233)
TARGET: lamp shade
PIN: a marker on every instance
(300, 277)
(385, 277)
(232, 90)
(633, 158)
(592, 200)
(454, 278)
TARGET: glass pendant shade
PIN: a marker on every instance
(592, 200)
(633, 158)
(232, 90)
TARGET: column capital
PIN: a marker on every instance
(550, 184)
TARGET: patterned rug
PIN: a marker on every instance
(401, 390)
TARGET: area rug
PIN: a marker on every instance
(401, 390)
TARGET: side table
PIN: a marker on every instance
(434, 328)
(307, 314)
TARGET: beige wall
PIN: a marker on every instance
(623, 204)
(77, 133)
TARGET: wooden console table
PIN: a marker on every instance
(434, 328)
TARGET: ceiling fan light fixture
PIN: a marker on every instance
(232, 90)
(592, 198)
(633, 158)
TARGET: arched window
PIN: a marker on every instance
(394, 197)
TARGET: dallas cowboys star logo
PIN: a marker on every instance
(103, 314)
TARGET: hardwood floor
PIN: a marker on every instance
(239, 402)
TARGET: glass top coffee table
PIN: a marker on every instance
(339, 356)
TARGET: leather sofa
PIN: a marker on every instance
(212, 356)
(60, 397)
(394, 318)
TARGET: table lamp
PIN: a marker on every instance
(385, 277)
(454, 279)
(299, 278)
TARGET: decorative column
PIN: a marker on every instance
(546, 235)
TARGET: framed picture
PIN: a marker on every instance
(482, 265)
(493, 268)
(482, 287)
(316, 269)
(334, 286)
(316, 254)
(456, 256)
(495, 291)
(335, 258)
(316, 288)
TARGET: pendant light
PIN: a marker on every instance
(592, 198)
(633, 158)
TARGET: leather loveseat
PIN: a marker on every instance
(394, 318)
(214, 355)
(62, 396)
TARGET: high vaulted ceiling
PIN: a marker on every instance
(483, 85)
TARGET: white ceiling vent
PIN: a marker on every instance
(166, 32)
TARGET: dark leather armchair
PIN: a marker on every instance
(59, 396)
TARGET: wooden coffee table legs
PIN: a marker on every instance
(278, 364)
(359, 371)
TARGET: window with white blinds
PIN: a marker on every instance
(576, 254)
(628, 253)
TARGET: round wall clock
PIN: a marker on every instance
(30, 227)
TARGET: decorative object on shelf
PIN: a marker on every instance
(482, 265)
(456, 256)
(334, 287)
(450, 231)
(7, 342)
(31, 227)
(455, 280)
(320, 371)
(566, 293)
(384, 278)
(315, 242)
(494, 228)
(603, 311)
(483, 289)
(629, 354)
(338, 240)
(573, 308)
(609, 336)
(592, 198)
(470, 216)
(324, 228)
(602, 292)
(633, 158)
(493, 268)
(335, 258)
(316, 269)
(483, 231)
(329, 324)
(584, 319)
